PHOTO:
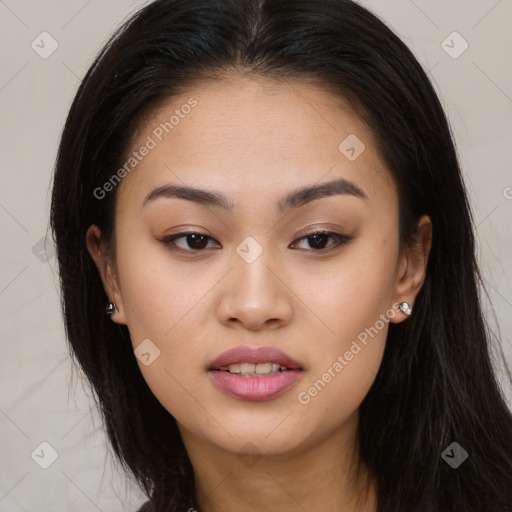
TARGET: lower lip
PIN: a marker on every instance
(255, 388)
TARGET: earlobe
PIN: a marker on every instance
(96, 249)
(412, 269)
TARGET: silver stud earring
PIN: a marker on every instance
(111, 309)
(405, 308)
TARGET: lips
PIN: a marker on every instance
(254, 386)
(254, 355)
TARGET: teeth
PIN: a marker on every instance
(250, 368)
(245, 368)
(234, 368)
(263, 367)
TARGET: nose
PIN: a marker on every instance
(256, 295)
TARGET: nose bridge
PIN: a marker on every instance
(254, 292)
(254, 280)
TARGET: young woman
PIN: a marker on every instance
(268, 266)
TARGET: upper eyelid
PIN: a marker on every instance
(314, 231)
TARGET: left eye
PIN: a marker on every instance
(199, 241)
(317, 239)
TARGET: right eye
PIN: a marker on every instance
(195, 241)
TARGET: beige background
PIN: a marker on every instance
(39, 402)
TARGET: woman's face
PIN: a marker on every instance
(257, 277)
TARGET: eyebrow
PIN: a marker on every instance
(294, 199)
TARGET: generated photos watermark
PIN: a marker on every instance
(157, 135)
(304, 397)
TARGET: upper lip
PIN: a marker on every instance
(255, 355)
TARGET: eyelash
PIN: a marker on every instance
(168, 241)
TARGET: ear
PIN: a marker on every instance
(106, 268)
(412, 267)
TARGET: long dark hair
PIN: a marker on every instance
(436, 384)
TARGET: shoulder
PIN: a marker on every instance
(144, 507)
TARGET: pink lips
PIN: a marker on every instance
(255, 355)
(259, 387)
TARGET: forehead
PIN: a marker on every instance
(254, 136)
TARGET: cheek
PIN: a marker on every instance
(354, 303)
(162, 304)
(157, 294)
(345, 365)
(334, 394)
(350, 295)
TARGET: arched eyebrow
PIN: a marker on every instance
(293, 199)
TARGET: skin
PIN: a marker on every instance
(254, 141)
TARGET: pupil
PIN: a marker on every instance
(195, 238)
(315, 238)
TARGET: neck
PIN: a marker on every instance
(327, 476)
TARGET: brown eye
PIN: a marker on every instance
(196, 242)
(193, 241)
(318, 240)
